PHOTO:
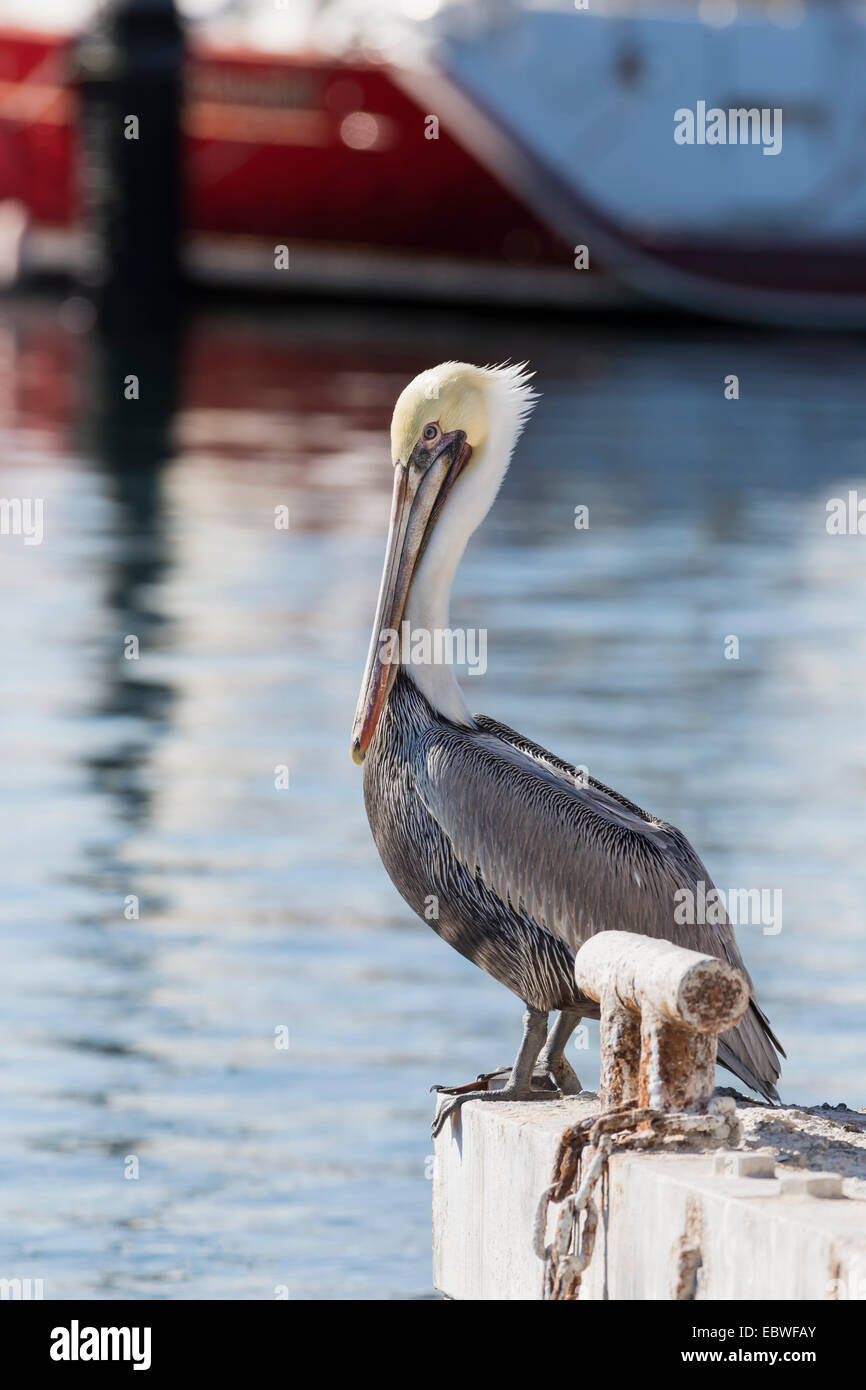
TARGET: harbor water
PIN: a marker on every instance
(221, 1023)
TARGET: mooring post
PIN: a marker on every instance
(634, 1198)
(128, 69)
(662, 1010)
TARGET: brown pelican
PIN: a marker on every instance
(510, 853)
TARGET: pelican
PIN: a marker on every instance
(509, 852)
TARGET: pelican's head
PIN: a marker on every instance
(452, 433)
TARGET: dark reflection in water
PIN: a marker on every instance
(153, 1036)
(130, 439)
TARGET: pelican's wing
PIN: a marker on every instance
(577, 858)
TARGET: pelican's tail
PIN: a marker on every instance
(751, 1051)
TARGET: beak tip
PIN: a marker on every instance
(357, 753)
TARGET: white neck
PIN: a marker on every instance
(427, 610)
(427, 604)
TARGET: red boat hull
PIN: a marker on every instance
(317, 154)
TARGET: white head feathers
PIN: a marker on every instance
(490, 405)
(458, 395)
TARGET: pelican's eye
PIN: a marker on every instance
(430, 432)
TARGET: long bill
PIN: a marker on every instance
(416, 503)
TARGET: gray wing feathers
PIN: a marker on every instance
(573, 857)
(576, 858)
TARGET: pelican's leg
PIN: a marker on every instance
(552, 1071)
(552, 1061)
(519, 1086)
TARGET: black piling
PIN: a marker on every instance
(128, 70)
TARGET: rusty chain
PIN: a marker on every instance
(584, 1151)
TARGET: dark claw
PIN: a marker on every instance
(479, 1084)
(461, 1094)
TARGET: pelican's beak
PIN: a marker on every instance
(421, 487)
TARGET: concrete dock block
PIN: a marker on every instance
(810, 1185)
(737, 1163)
(674, 1225)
